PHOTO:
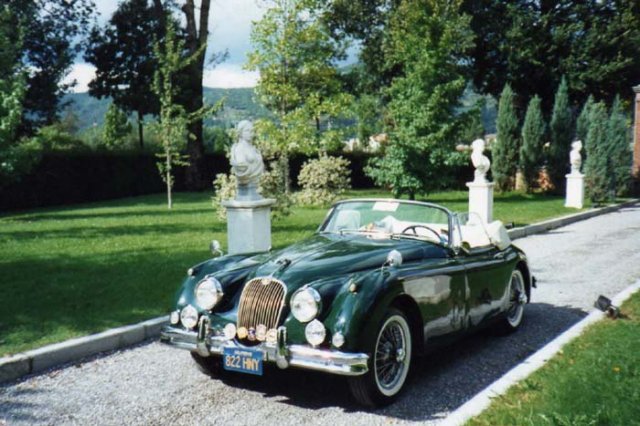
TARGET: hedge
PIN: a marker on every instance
(64, 178)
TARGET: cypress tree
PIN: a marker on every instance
(619, 148)
(582, 123)
(561, 136)
(598, 167)
(533, 132)
(506, 146)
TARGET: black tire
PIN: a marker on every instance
(512, 318)
(389, 364)
(209, 365)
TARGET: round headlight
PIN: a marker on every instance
(315, 332)
(208, 293)
(189, 316)
(305, 304)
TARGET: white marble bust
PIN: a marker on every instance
(575, 158)
(479, 161)
(246, 160)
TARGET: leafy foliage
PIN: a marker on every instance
(428, 40)
(561, 128)
(531, 44)
(323, 180)
(16, 155)
(533, 133)
(619, 148)
(598, 168)
(582, 122)
(52, 31)
(507, 144)
(299, 83)
(116, 128)
(173, 117)
(124, 61)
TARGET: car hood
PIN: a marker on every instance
(330, 255)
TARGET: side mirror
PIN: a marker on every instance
(216, 248)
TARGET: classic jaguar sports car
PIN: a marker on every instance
(380, 282)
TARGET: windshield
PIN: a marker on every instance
(389, 219)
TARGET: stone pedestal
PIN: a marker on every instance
(249, 225)
(481, 200)
(575, 191)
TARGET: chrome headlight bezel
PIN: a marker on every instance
(306, 304)
(208, 292)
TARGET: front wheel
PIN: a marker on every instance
(388, 365)
(209, 365)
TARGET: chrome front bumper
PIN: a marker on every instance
(301, 356)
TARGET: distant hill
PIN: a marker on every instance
(239, 104)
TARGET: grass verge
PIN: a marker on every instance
(594, 380)
(81, 269)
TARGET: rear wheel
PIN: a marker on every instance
(389, 363)
(209, 365)
(517, 299)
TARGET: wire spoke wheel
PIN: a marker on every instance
(392, 355)
(517, 299)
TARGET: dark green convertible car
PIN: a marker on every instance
(380, 282)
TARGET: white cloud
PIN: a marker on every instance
(225, 76)
(82, 74)
(229, 76)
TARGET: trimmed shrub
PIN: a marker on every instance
(619, 148)
(506, 146)
(323, 180)
(598, 169)
(561, 127)
(533, 131)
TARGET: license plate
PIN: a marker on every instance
(243, 360)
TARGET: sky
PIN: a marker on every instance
(229, 28)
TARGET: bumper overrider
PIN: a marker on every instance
(300, 356)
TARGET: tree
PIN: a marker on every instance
(116, 127)
(299, 83)
(16, 155)
(598, 168)
(533, 133)
(52, 31)
(561, 128)
(531, 44)
(428, 40)
(173, 117)
(619, 148)
(124, 59)
(507, 144)
(582, 122)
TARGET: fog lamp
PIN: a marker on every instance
(337, 340)
(229, 331)
(315, 332)
(189, 317)
(174, 317)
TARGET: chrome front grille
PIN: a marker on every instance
(261, 303)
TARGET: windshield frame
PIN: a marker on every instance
(449, 213)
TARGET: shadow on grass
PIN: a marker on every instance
(128, 212)
(50, 299)
(439, 382)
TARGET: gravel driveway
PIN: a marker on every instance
(155, 384)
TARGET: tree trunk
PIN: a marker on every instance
(196, 38)
(169, 181)
(140, 131)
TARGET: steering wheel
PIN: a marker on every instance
(413, 227)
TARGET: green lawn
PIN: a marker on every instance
(76, 270)
(595, 380)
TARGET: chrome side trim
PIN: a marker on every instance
(299, 356)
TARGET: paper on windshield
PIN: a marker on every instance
(385, 206)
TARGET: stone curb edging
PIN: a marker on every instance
(547, 225)
(482, 400)
(37, 360)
